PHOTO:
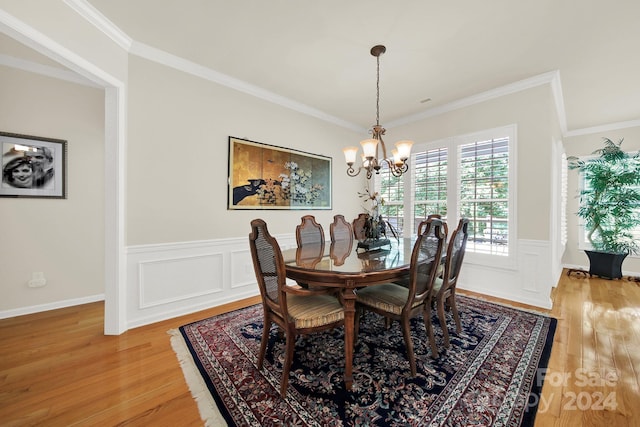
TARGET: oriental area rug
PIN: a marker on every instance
(490, 375)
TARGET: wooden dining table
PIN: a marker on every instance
(340, 265)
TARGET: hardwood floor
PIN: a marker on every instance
(58, 369)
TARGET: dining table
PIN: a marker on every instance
(346, 267)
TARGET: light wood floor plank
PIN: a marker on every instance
(58, 369)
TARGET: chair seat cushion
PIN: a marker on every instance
(314, 310)
(388, 297)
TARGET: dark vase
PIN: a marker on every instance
(374, 228)
(605, 264)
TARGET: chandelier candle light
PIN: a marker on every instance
(370, 162)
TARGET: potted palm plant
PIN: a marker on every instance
(609, 206)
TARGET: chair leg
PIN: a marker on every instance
(426, 316)
(406, 332)
(266, 329)
(288, 358)
(443, 322)
(456, 316)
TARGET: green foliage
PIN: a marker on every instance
(610, 201)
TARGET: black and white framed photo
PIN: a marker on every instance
(33, 166)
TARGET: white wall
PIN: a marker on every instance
(63, 238)
(530, 279)
(177, 127)
(584, 145)
(178, 156)
(186, 251)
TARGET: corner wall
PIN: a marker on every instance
(584, 145)
(63, 238)
(531, 279)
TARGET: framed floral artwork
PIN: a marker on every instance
(263, 176)
(33, 166)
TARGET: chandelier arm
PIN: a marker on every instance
(377, 132)
(353, 172)
(393, 168)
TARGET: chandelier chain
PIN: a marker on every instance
(378, 92)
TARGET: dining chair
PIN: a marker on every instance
(308, 256)
(401, 303)
(404, 281)
(444, 288)
(295, 310)
(341, 233)
(358, 226)
(436, 216)
(340, 229)
(309, 231)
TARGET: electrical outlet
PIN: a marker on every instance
(37, 280)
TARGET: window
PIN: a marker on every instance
(564, 179)
(429, 184)
(483, 167)
(391, 189)
(468, 176)
(583, 241)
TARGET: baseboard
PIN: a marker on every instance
(5, 314)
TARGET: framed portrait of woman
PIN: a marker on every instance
(33, 166)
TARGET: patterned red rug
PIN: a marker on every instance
(488, 377)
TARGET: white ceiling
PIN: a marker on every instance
(317, 52)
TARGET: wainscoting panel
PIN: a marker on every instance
(169, 280)
(530, 282)
(164, 281)
(530, 267)
(242, 272)
(173, 279)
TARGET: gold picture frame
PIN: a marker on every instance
(263, 176)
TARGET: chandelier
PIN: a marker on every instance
(370, 162)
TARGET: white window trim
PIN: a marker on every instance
(583, 244)
(452, 143)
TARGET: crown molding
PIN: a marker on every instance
(159, 56)
(604, 128)
(46, 70)
(98, 20)
(42, 44)
(552, 77)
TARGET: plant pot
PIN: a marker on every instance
(605, 264)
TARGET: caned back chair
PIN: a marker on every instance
(402, 303)
(445, 286)
(295, 310)
(340, 229)
(308, 256)
(341, 239)
(309, 231)
(358, 226)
